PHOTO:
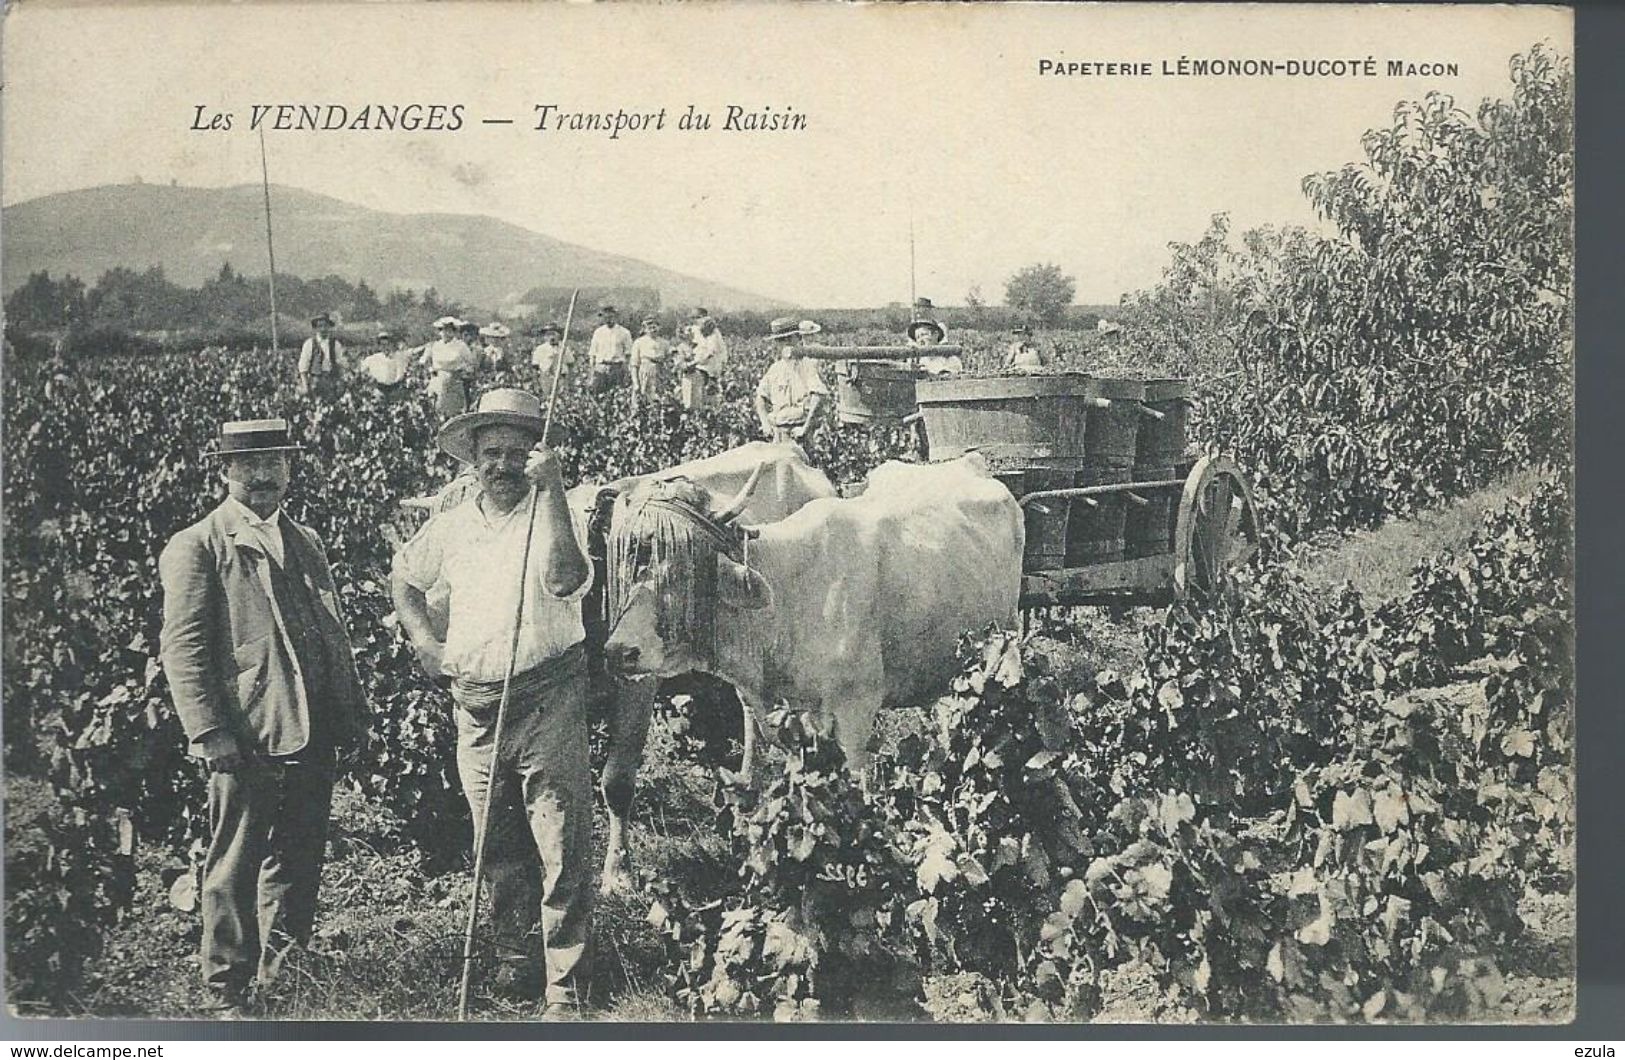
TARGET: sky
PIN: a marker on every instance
(933, 117)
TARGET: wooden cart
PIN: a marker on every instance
(1115, 511)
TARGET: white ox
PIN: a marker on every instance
(843, 607)
(767, 481)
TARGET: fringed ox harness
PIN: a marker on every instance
(677, 541)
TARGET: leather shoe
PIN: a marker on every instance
(226, 1005)
(518, 981)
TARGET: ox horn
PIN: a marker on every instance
(737, 505)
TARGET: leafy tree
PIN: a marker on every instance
(1042, 291)
(42, 302)
(1423, 349)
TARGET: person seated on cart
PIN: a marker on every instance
(1023, 353)
(927, 333)
(792, 392)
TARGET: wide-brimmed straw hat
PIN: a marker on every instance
(319, 319)
(448, 322)
(549, 329)
(254, 436)
(495, 331)
(941, 331)
(505, 406)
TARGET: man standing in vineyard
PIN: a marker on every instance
(702, 370)
(479, 550)
(321, 358)
(650, 353)
(544, 358)
(264, 682)
(611, 348)
(792, 391)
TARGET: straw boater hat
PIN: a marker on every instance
(495, 331)
(320, 319)
(549, 329)
(789, 327)
(384, 336)
(649, 322)
(254, 436)
(1021, 329)
(606, 310)
(505, 405)
(448, 322)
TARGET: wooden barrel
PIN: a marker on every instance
(1148, 529)
(874, 392)
(1095, 532)
(1047, 522)
(1112, 438)
(1033, 421)
(1064, 533)
(1161, 442)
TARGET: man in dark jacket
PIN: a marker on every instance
(265, 685)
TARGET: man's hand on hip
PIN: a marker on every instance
(220, 752)
(431, 656)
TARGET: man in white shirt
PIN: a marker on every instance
(387, 367)
(650, 353)
(478, 549)
(610, 350)
(321, 358)
(544, 358)
(792, 391)
(703, 372)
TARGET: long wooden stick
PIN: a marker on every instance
(502, 704)
(270, 247)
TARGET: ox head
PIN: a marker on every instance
(675, 562)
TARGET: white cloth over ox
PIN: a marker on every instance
(871, 594)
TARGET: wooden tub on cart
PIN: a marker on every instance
(1115, 511)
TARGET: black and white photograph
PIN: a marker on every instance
(744, 512)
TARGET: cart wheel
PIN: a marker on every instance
(1217, 526)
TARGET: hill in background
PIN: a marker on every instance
(191, 232)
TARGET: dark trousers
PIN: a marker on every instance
(268, 825)
(610, 376)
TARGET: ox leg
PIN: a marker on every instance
(855, 712)
(746, 777)
(633, 705)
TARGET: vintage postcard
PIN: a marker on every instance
(741, 511)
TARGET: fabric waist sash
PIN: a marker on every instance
(482, 697)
